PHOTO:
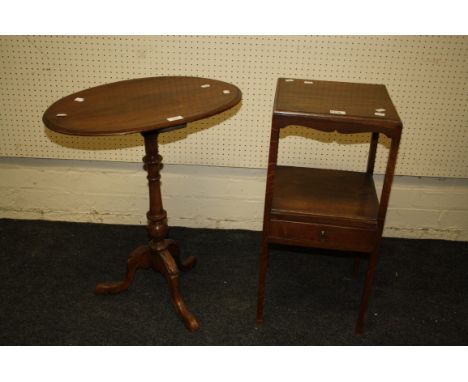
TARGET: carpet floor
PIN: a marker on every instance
(48, 271)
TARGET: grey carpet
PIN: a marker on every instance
(48, 271)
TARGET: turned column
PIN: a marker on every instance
(157, 216)
(165, 255)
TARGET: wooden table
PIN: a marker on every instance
(324, 208)
(149, 106)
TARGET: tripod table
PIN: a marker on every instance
(148, 106)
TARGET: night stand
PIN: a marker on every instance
(321, 208)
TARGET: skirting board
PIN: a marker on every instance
(203, 196)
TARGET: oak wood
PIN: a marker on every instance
(140, 105)
(328, 208)
(146, 106)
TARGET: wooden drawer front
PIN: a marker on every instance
(322, 236)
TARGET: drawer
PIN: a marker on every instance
(322, 236)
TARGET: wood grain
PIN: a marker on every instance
(148, 106)
(140, 105)
(328, 208)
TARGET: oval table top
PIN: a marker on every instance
(139, 105)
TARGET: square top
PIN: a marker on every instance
(345, 102)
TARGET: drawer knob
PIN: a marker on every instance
(322, 235)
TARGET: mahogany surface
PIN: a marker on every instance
(315, 100)
(325, 196)
(144, 106)
(139, 105)
(328, 208)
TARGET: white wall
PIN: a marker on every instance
(203, 196)
(426, 77)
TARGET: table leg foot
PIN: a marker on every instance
(140, 258)
(183, 265)
(366, 292)
(163, 261)
(161, 254)
(166, 265)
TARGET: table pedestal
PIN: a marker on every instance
(161, 254)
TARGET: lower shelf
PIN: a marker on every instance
(342, 198)
(330, 209)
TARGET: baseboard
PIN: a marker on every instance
(203, 196)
